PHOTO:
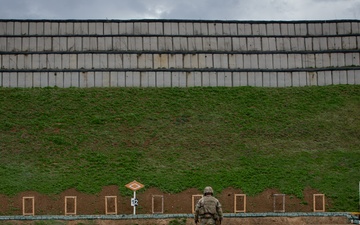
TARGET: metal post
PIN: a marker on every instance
(359, 198)
(134, 204)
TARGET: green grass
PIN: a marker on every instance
(53, 139)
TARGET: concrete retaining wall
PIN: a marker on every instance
(176, 53)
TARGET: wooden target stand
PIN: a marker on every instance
(28, 206)
(279, 200)
(194, 200)
(155, 202)
(319, 199)
(70, 205)
(110, 205)
(242, 203)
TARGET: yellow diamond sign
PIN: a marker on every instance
(134, 185)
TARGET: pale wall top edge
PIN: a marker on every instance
(180, 21)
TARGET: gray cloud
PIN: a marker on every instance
(184, 9)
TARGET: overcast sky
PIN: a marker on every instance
(181, 9)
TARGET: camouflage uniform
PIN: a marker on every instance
(208, 209)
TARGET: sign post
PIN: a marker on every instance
(134, 186)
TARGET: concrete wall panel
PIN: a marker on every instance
(59, 79)
(335, 77)
(197, 79)
(190, 79)
(302, 79)
(322, 43)
(121, 78)
(287, 44)
(341, 59)
(205, 77)
(318, 60)
(105, 79)
(86, 79)
(129, 28)
(266, 79)
(301, 29)
(209, 61)
(247, 29)
(133, 79)
(21, 79)
(3, 43)
(355, 29)
(357, 77)
(258, 79)
(356, 58)
(256, 30)
(277, 28)
(227, 29)
(254, 44)
(271, 44)
(17, 29)
(197, 28)
(156, 28)
(180, 78)
(254, 62)
(295, 79)
(160, 79)
(309, 61)
(291, 29)
(17, 44)
(315, 29)
(36, 79)
(40, 45)
(236, 79)
(24, 28)
(74, 79)
(236, 44)
(167, 29)
(213, 79)
(342, 77)
(167, 80)
(288, 79)
(344, 28)
(220, 79)
(3, 26)
(198, 44)
(138, 43)
(281, 79)
(243, 78)
(5, 79)
(152, 79)
(32, 28)
(212, 28)
(327, 28)
(81, 28)
(10, 44)
(351, 77)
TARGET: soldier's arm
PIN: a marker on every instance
(219, 211)
(196, 214)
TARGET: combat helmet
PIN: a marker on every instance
(208, 190)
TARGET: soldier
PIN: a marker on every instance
(208, 209)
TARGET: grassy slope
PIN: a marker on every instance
(250, 138)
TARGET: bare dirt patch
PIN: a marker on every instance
(180, 203)
(172, 203)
